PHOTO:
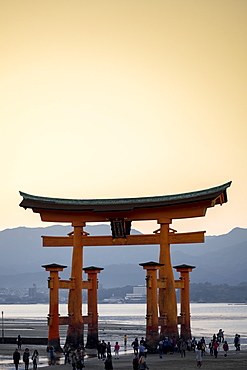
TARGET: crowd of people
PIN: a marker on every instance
(106, 352)
(26, 358)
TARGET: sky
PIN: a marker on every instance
(123, 98)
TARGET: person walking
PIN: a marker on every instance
(73, 360)
(135, 345)
(141, 349)
(116, 350)
(108, 349)
(108, 363)
(225, 348)
(19, 342)
(26, 355)
(199, 355)
(35, 359)
(160, 348)
(135, 363)
(215, 348)
(16, 358)
(52, 356)
(183, 348)
(142, 364)
(125, 340)
(66, 351)
(237, 342)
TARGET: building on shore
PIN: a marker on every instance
(138, 295)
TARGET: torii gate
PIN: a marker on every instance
(120, 213)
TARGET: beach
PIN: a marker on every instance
(234, 360)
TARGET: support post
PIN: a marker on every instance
(75, 330)
(184, 270)
(152, 319)
(92, 303)
(53, 316)
(167, 296)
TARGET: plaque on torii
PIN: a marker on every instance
(120, 213)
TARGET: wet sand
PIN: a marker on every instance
(232, 361)
(112, 332)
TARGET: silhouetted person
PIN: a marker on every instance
(35, 359)
(26, 355)
(19, 342)
(16, 358)
(108, 363)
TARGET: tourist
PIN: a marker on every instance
(220, 336)
(144, 344)
(199, 355)
(142, 364)
(237, 342)
(19, 342)
(73, 360)
(135, 345)
(135, 363)
(26, 355)
(108, 349)
(183, 347)
(116, 350)
(166, 345)
(108, 363)
(193, 344)
(174, 344)
(103, 349)
(210, 345)
(160, 348)
(66, 351)
(125, 340)
(52, 356)
(80, 361)
(35, 359)
(203, 343)
(215, 348)
(225, 348)
(99, 349)
(16, 358)
(141, 349)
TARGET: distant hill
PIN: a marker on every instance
(221, 259)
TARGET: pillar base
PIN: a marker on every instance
(169, 331)
(185, 332)
(92, 339)
(75, 336)
(54, 342)
(152, 339)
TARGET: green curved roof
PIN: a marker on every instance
(123, 204)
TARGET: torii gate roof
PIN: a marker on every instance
(144, 208)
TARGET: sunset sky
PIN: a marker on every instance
(123, 98)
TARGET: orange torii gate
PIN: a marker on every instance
(120, 213)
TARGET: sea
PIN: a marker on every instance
(115, 320)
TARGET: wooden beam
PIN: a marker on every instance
(179, 284)
(148, 239)
(172, 212)
(184, 238)
(66, 284)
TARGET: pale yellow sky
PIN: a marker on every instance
(105, 99)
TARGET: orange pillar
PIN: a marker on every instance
(167, 296)
(152, 319)
(92, 304)
(53, 316)
(76, 326)
(185, 300)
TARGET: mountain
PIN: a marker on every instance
(221, 259)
